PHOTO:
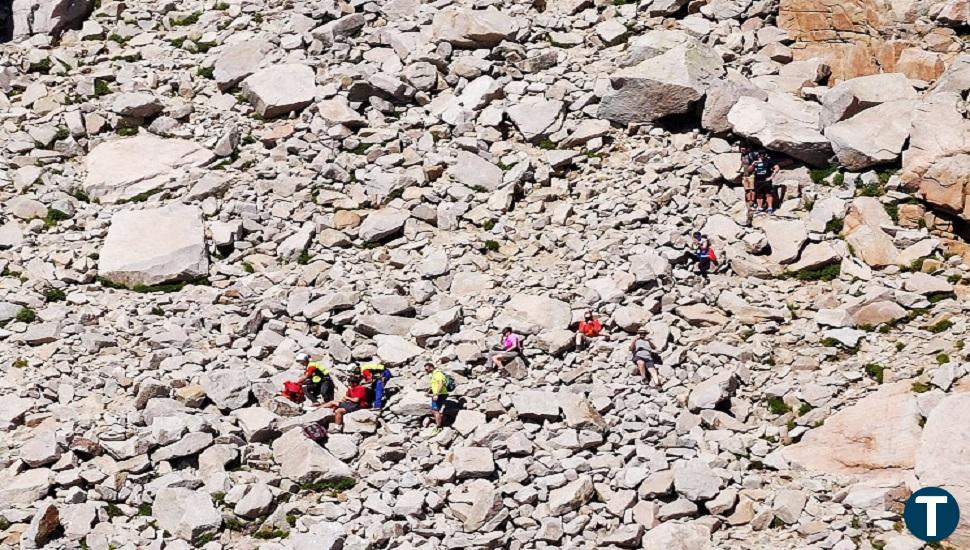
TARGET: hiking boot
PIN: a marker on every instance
(435, 431)
(770, 211)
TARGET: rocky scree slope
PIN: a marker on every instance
(195, 191)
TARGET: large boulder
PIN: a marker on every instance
(851, 443)
(26, 488)
(305, 461)
(571, 496)
(786, 237)
(678, 536)
(873, 246)
(536, 118)
(123, 169)
(783, 123)
(531, 313)
(280, 89)
(671, 83)
(383, 224)
(872, 137)
(238, 60)
(186, 513)
(465, 28)
(722, 95)
(941, 458)
(153, 246)
(944, 184)
(473, 171)
(850, 97)
(51, 17)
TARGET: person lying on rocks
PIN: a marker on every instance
(589, 327)
(354, 400)
(643, 358)
(508, 349)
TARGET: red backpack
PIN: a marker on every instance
(293, 391)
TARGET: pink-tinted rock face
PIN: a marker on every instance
(848, 35)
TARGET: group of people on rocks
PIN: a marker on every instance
(758, 172)
(365, 388)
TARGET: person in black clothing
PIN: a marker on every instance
(764, 170)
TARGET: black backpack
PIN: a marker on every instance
(760, 168)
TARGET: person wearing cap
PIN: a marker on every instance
(643, 358)
(316, 381)
(589, 327)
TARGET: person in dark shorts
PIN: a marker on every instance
(354, 400)
(764, 170)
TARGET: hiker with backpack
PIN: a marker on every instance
(316, 381)
(354, 399)
(441, 385)
(748, 156)
(703, 253)
(589, 327)
(644, 358)
(378, 375)
(764, 170)
(509, 348)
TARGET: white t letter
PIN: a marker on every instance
(931, 503)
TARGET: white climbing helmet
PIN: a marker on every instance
(302, 357)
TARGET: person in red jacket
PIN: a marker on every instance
(354, 400)
(589, 327)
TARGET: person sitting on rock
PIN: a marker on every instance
(643, 358)
(589, 327)
(508, 349)
(354, 400)
(315, 379)
(377, 374)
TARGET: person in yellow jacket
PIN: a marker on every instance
(315, 379)
(377, 374)
(439, 394)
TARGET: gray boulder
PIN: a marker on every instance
(671, 83)
(874, 136)
(153, 246)
(783, 123)
(185, 513)
(280, 89)
(465, 28)
(305, 461)
(120, 170)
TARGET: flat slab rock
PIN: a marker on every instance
(153, 246)
(125, 168)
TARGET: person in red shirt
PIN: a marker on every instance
(355, 399)
(589, 327)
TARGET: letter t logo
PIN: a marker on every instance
(931, 502)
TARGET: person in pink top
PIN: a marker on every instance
(509, 348)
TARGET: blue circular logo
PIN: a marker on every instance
(931, 514)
